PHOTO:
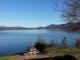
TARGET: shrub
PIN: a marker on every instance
(78, 43)
(40, 45)
(64, 43)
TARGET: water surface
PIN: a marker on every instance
(16, 41)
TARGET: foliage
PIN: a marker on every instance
(40, 45)
(53, 49)
(71, 11)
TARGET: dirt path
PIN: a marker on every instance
(19, 57)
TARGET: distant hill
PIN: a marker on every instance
(53, 26)
(12, 28)
(67, 26)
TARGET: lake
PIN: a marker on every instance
(16, 41)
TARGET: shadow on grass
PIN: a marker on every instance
(66, 57)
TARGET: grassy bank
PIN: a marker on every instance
(51, 52)
(63, 51)
(4, 58)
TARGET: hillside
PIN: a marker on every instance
(67, 26)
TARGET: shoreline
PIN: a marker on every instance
(60, 52)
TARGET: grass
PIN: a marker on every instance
(53, 51)
(68, 51)
(4, 58)
(63, 51)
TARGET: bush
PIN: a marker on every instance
(78, 43)
(64, 43)
(40, 45)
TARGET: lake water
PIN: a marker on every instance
(16, 41)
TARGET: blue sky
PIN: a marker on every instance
(28, 13)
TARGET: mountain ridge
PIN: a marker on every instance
(51, 26)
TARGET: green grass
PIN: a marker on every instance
(4, 58)
(51, 51)
(64, 51)
(68, 51)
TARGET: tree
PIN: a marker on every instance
(71, 11)
(40, 45)
(78, 43)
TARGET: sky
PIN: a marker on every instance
(29, 13)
